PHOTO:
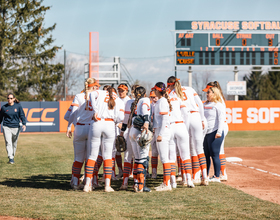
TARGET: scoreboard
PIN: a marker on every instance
(227, 42)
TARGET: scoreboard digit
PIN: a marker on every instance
(227, 42)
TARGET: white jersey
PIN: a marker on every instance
(161, 108)
(192, 100)
(68, 113)
(127, 110)
(143, 107)
(178, 107)
(214, 115)
(99, 104)
(79, 113)
(125, 99)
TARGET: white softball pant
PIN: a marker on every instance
(106, 129)
(222, 151)
(180, 136)
(196, 134)
(139, 152)
(80, 142)
(128, 154)
(11, 138)
(163, 147)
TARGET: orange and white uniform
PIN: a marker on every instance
(105, 128)
(81, 118)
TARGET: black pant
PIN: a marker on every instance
(212, 146)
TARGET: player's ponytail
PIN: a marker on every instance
(111, 102)
(216, 84)
(139, 92)
(160, 86)
(88, 82)
(172, 80)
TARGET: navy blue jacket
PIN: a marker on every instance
(11, 115)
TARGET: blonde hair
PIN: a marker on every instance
(177, 85)
(87, 82)
(217, 95)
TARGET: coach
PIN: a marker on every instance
(11, 114)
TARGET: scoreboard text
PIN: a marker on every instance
(226, 43)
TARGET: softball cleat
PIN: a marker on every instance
(87, 188)
(164, 187)
(109, 189)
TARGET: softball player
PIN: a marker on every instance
(81, 117)
(223, 176)
(154, 159)
(195, 125)
(140, 106)
(107, 109)
(161, 124)
(213, 110)
(122, 91)
(180, 136)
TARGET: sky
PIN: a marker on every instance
(141, 32)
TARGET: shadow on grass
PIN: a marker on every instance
(62, 182)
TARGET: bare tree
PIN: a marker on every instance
(74, 78)
(200, 81)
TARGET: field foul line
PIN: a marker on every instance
(253, 168)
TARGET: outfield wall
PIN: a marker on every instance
(241, 115)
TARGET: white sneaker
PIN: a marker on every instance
(197, 181)
(159, 186)
(123, 187)
(174, 185)
(87, 188)
(204, 182)
(109, 189)
(223, 177)
(190, 184)
(163, 187)
(179, 179)
(214, 179)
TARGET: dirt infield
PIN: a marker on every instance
(258, 174)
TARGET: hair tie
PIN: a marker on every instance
(163, 87)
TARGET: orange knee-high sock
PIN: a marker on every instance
(179, 164)
(202, 161)
(195, 166)
(108, 168)
(166, 173)
(119, 161)
(135, 170)
(99, 161)
(182, 167)
(140, 176)
(76, 169)
(173, 169)
(89, 168)
(187, 166)
(113, 166)
(126, 172)
(223, 163)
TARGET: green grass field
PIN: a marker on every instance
(37, 186)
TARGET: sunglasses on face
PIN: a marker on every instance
(10, 98)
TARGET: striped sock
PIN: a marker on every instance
(140, 176)
(119, 162)
(203, 166)
(182, 167)
(89, 168)
(99, 161)
(166, 173)
(195, 167)
(223, 163)
(173, 169)
(187, 166)
(131, 168)
(113, 167)
(135, 171)
(154, 162)
(108, 169)
(76, 169)
(126, 172)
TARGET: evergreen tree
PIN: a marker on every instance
(26, 51)
(255, 82)
(271, 90)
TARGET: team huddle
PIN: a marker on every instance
(173, 121)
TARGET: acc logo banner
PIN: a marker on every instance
(41, 116)
(253, 115)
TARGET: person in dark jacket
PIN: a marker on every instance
(11, 114)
